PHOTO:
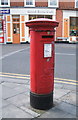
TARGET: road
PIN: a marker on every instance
(16, 59)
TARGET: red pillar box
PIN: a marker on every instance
(42, 36)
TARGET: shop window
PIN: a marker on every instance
(1, 26)
(48, 16)
(16, 28)
(16, 18)
(29, 3)
(31, 17)
(53, 3)
(1, 17)
(73, 26)
(76, 3)
(39, 16)
(16, 24)
(4, 3)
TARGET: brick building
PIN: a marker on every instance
(14, 14)
(67, 15)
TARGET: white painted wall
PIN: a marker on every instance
(69, 13)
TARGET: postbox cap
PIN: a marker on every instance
(42, 22)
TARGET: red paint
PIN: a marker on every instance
(2, 39)
(2, 34)
(41, 69)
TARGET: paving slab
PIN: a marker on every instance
(0, 90)
(19, 100)
(54, 113)
(30, 111)
(10, 85)
(66, 107)
(0, 95)
(0, 80)
(77, 111)
(21, 88)
(0, 114)
(7, 92)
(72, 117)
(18, 87)
(70, 98)
(65, 86)
(16, 102)
(0, 103)
(77, 98)
(12, 111)
(58, 93)
(5, 103)
(58, 85)
(17, 81)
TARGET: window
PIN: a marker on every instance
(73, 26)
(16, 24)
(53, 3)
(29, 3)
(1, 26)
(4, 3)
(39, 16)
(76, 3)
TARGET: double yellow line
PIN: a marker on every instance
(13, 75)
(23, 76)
(66, 81)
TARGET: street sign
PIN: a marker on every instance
(5, 11)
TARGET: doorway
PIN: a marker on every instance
(16, 29)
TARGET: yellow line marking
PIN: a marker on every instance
(23, 76)
(65, 79)
(13, 74)
(65, 82)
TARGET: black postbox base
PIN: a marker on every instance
(42, 102)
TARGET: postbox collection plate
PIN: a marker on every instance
(47, 50)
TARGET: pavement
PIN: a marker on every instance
(16, 100)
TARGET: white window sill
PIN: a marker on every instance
(29, 6)
(52, 6)
(4, 5)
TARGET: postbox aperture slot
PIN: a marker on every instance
(47, 36)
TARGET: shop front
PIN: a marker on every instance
(17, 32)
(74, 29)
(70, 25)
(1, 29)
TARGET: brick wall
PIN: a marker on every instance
(59, 18)
(67, 5)
(63, 4)
(20, 3)
(17, 3)
(41, 3)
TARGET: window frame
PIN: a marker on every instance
(75, 31)
(75, 4)
(53, 5)
(5, 5)
(29, 5)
